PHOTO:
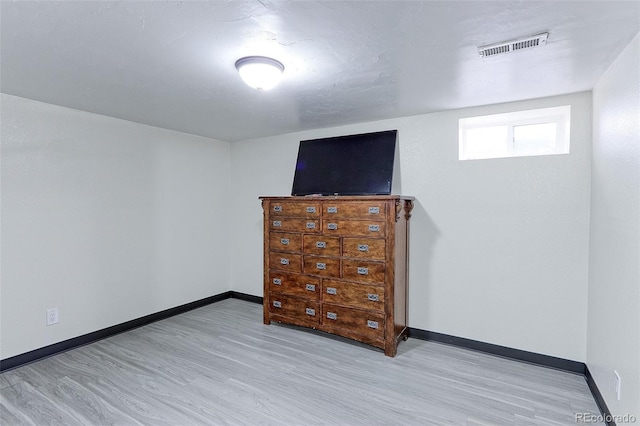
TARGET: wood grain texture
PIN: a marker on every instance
(374, 210)
(366, 228)
(322, 245)
(294, 224)
(297, 285)
(321, 266)
(367, 248)
(284, 261)
(368, 324)
(283, 241)
(363, 271)
(219, 365)
(296, 208)
(294, 310)
(361, 296)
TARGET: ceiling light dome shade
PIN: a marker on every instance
(260, 72)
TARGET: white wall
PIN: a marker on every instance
(105, 219)
(499, 248)
(614, 273)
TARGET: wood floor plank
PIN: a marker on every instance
(88, 407)
(220, 365)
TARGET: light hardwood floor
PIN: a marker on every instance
(220, 365)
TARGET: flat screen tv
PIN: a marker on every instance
(346, 165)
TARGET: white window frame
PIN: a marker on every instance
(560, 115)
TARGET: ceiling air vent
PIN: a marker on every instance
(513, 45)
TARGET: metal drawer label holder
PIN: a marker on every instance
(277, 223)
(373, 297)
(311, 225)
(372, 324)
(277, 208)
(277, 281)
(321, 244)
(332, 226)
(310, 287)
(311, 209)
(310, 311)
(363, 271)
(320, 265)
(331, 290)
(277, 304)
(332, 315)
(284, 241)
(284, 261)
(363, 247)
(332, 210)
(374, 228)
(374, 210)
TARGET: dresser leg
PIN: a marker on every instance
(390, 350)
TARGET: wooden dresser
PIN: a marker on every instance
(339, 264)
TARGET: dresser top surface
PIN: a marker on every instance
(339, 197)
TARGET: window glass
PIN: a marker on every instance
(487, 142)
(534, 139)
(543, 131)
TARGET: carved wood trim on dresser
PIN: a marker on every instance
(339, 264)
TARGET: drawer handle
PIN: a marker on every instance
(311, 287)
(332, 315)
(320, 265)
(311, 225)
(363, 271)
(374, 228)
(372, 324)
(277, 208)
(332, 210)
(311, 312)
(374, 210)
(363, 247)
(311, 209)
(277, 304)
(284, 241)
(277, 281)
(321, 244)
(373, 297)
(277, 223)
(332, 226)
(284, 261)
(331, 290)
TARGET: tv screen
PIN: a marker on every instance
(346, 165)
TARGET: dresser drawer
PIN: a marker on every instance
(295, 284)
(368, 228)
(295, 208)
(285, 261)
(285, 241)
(363, 271)
(361, 322)
(302, 311)
(354, 210)
(366, 248)
(364, 296)
(322, 245)
(323, 266)
(294, 224)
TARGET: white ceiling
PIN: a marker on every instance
(171, 64)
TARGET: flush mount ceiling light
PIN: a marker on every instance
(260, 72)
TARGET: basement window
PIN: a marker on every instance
(527, 133)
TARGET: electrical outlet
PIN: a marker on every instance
(52, 316)
(616, 384)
